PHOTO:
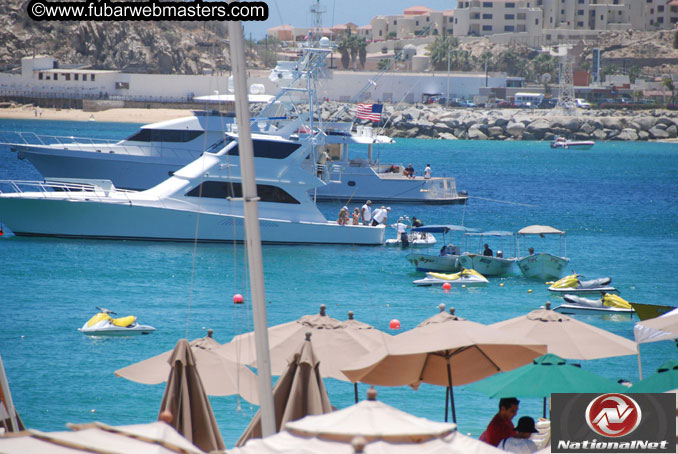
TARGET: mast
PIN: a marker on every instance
(252, 233)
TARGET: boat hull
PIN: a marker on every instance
(485, 265)
(583, 291)
(573, 309)
(132, 221)
(139, 330)
(542, 266)
(434, 263)
(648, 311)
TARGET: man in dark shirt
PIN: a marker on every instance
(501, 426)
(416, 222)
(487, 251)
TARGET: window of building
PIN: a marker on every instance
(660, 8)
(224, 189)
(428, 19)
(580, 24)
(487, 4)
(602, 17)
(91, 77)
(581, 2)
(487, 28)
(416, 23)
(395, 22)
(380, 33)
(580, 12)
(522, 16)
(67, 76)
(509, 28)
(660, 20)
(513, 5)
(536, 22)
(84, 77)
(75, 76)
(487, 16)
(56, 76)
(39, 76)
(449, 19)
(509, 16)
(562, 12)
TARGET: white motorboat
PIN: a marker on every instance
(607, 304)
(102, 324)
(543, 266)
(468, 278)
(444, 261)
(207, 190)
(572, 285)
(562, 142)
(146, 158)
(414, 239)
(489, 265)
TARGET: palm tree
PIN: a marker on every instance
(670, 86)
(343, 47)
(441, 49)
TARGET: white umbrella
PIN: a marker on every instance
(664, 327)
(370, 427)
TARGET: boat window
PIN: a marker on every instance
(164, 135)
(269, 149)
(224, 189)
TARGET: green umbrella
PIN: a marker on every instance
(546, 375)
(665, 379)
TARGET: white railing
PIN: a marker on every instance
(94, 191)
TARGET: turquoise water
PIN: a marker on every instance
(616, 201)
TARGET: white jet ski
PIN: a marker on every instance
(102, 324)
(464, 277)
(573, 285)
(607, 304)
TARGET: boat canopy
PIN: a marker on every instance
(491, 233)
(540, 230)
(443, 228)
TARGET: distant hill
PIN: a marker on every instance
(152, 47)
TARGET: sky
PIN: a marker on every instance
(360, 12)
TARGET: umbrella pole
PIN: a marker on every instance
(640, 366)
(447, 401)
(544, 407)
(449, 381)
(355, 391)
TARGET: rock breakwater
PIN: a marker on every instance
(435, 122)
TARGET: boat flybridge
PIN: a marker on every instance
(207, 190)
(153, 153)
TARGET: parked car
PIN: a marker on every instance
(506, 104)
(547, 103)
(582, 103)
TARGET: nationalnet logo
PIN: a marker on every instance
(613, 423)
(613, 415)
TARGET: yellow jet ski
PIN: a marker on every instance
(607, 304)
(573, 285)
(464, 277)
(102, 324)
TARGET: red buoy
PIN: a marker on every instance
(394, 324)
(238, 299)
(447, 286)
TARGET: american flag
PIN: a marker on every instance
(370, 111)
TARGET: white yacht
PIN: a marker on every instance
(149, 156)
(202, 201)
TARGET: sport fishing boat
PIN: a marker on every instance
(102, 324)
(573, 285)
(468, 278)
(562, 142)
(607, 304)
(207, 190)
(445, 261)
(488, 265)
(542, 266)
(146, 158)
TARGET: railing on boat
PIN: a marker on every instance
(98, 191)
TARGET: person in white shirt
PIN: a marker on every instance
(427, 171)
(520, 443)
(401, 230)
(379, 215)
(366, 213)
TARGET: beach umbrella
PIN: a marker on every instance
(666, 379)
(370, 427)
(336, 344)
(220, 376)
(299, 392)
(157, 438)
(546, 375)
(567, 337)
(664, 327)
(444, 350)
(9, 417)
(186, 400)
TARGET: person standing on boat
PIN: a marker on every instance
(416, 222)
(356, 217)
(401, 229)
(366, 213)
(379, 216)
(427, 172)
(487, 252)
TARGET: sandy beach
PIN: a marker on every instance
(115, 115)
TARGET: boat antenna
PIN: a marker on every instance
(252, 230)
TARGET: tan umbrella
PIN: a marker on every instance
(157, 437)
(371, 427)
(567, 337)
(220, 375)
(299, 392)
(186, 400)
(444, 350)
(336, 344)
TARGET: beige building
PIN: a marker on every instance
(482, 18)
